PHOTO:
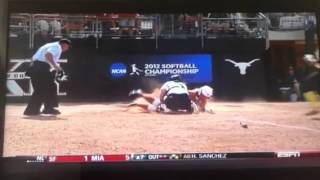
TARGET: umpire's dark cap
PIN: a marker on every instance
(66, 41)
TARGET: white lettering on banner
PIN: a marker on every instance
(13, 76)
(151, 66)
(189, 66)
(156, 72)
(16, 76)
(118, 71)
(164, 69)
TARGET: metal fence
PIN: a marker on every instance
(180, 26)
(290, 21)
(21, 25)
(135, 26)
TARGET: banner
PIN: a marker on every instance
(19, 85)
(193, 68)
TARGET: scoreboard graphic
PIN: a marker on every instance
(170, 157)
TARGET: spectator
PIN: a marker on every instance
(55, 28)
(294, 85)
(43, 27)
(127, 24)
(188, 23)
(108, 25)
(240, 23)
(73, 26)
(215, 25)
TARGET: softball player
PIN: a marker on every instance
(200, 96)
(174, 94)
(154, 104)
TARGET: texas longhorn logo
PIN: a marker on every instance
(242, 65)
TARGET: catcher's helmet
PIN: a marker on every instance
(176, 77)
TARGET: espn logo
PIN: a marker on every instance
(288, 154)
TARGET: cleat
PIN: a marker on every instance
(135, 92)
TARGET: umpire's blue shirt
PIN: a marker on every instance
(53, 48)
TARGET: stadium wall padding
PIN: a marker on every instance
(84, 85)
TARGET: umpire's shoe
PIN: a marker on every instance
(51, 111)
(30, 113)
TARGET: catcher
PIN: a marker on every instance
(174, 94)
(198, 96)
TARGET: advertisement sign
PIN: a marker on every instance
(194, 68)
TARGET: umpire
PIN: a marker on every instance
(174, 94)
(43, 80)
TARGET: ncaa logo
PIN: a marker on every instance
(118, 70)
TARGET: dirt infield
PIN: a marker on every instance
(109, 128)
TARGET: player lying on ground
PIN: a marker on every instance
(198, 96)
(154, 104)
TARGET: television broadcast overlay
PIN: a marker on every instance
(157, 87)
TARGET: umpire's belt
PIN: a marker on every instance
(40, 64)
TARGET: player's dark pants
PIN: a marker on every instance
(176, 102)
(45, 89)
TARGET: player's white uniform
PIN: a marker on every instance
(173, 87)
(154, 106)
